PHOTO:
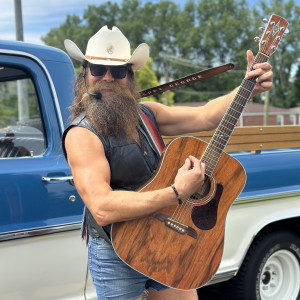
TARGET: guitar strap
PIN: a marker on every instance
(186, 80)
(153, 133)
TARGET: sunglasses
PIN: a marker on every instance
(117, 72)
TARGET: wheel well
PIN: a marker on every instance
(222, 290)
(292, 225)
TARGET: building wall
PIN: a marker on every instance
(258, 120)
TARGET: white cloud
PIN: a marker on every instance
(39, 16)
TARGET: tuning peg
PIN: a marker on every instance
(261, 29)
(265, 20)
(256, 39)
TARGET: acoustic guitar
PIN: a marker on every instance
(181, 246)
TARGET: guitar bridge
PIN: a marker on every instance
(176, 225)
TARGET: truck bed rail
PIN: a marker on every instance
(254, 138)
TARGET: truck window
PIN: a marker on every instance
(21, 127)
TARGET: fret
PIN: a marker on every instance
(220, 139)
(219, 142)
(214, 152)
(238, 106)
(235, 111)
(224, 131)
(230, 123)
(242, 96)
(244, 88)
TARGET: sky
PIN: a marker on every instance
(39, 16)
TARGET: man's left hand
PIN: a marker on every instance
(264, 81)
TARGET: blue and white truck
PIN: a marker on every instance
(41, 253)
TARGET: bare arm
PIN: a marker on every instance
(91, 173)
(180, 120)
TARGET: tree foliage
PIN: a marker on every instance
(197, 35)
(286, 59)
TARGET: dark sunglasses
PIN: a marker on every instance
(117, 72)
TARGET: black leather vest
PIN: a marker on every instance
(131, 165)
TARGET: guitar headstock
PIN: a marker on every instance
(272, 34)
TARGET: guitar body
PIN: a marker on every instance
(181, 246)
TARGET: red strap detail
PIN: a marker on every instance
(154, 132)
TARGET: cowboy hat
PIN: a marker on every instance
(109, 47)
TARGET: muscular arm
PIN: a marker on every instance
(180, 120)
(91, 173)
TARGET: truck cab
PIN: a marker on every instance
(41, 253)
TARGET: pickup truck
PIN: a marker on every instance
(41, 253)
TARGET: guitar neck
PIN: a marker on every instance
(224, 131)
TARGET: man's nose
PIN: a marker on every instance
(107, 77)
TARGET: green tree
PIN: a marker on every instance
(146, 79)
(183, 40)
(95, 17)
(72, 29)
(288, 51)
(222, 32)
(294, 94)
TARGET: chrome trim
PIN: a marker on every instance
(224, 276)
(63, 178)
(269, 196)
(39, 231)
(56, 102)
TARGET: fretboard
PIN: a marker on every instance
(224, 131)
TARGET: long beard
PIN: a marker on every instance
(115, 114)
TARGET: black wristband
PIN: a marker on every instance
(176, 193)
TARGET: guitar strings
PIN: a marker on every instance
(219, 142)
(181, 211)
(215, 149)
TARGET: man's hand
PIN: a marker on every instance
(190, 177)
(264, 72)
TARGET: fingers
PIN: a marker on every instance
(262, 70)
(193, 163)
(250, 59)
(198, 166)
(190, 177)
(187, 164)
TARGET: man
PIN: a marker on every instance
(110, 155)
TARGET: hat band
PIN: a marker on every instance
(104, 58)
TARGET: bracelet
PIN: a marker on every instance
(176, 193)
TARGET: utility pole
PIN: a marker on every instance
(23, 106)
(19, 21)
(266, 108)
(167, 80)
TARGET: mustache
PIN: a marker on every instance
(102, 85)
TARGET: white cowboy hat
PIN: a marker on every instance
(110, 47)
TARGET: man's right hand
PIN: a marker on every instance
(190, 177)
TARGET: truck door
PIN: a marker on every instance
(41, 252)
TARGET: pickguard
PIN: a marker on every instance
(205, 216)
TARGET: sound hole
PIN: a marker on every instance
(204, 194)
